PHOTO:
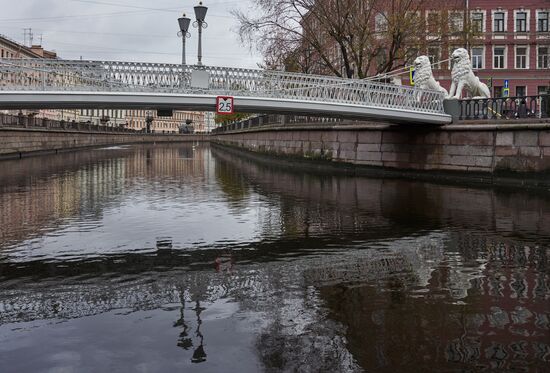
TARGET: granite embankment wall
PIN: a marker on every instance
(20, 142)
(483, 148)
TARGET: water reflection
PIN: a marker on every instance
(205, 259)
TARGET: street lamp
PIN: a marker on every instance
(183, 33)
(200, 14)
(149, 121)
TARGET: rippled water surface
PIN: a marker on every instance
(196, 258)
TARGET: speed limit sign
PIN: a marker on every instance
(224, 105)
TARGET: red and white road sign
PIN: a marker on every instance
(224, 105)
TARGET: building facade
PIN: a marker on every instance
(509, 46)
(104, 117)
(508, 41)
(209, 121)
(137, 120)
(11, 49)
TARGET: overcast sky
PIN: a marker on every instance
(127, 30)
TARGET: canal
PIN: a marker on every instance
(197, 258)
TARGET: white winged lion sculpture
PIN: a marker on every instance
(424, 78)
(464, 78)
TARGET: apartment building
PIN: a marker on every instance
(11, 49)
(508, 41)
(137, 120)
(509, 46)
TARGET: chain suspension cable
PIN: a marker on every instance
(405, 70)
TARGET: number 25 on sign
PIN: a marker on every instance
(224, 105)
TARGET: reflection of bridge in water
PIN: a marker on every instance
(63, 84)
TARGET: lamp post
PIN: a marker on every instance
(149, 121)
(200, 14)
(183, 33)
(466, 26)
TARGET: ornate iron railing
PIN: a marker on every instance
(279, 120)
(503, 108)
(22, 121)
(75, 75)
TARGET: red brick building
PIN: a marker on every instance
(508, 40)
(513, 44)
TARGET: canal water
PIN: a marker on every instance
(196, 258)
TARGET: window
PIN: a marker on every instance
(543, 57)
(456, 22)
(433, 21)
(521, 22)
(542, 90)
(381, 57)
(381, 22)
(542, 23)
(411, 56)
(477, 22)
(521, 57)
(498, 22)
(434, 54)
(499, 57)
(520, 91)
(477, 58)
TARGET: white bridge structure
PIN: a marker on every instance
(64, 84)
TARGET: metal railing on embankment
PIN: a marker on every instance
(30, 122)
(281, 120)
(505, 108)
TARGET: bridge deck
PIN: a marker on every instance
(36, 83)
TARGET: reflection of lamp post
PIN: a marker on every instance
(183, 33)
(199, 355)
(184, 340)
(200, 14)
(149, 121)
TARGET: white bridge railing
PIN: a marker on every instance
(109, 76)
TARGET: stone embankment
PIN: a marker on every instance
(515, 147)
(27, 139)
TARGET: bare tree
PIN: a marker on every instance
(340, 37)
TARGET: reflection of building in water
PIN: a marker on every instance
(489, 310)
(46, 202)
(83, 183)
(167, 160)
(513, 310)
(177, 162)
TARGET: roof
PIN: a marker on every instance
(28, 52)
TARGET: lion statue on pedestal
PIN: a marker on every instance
(424, 78)
(464, 78)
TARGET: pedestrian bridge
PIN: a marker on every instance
(65, 84)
